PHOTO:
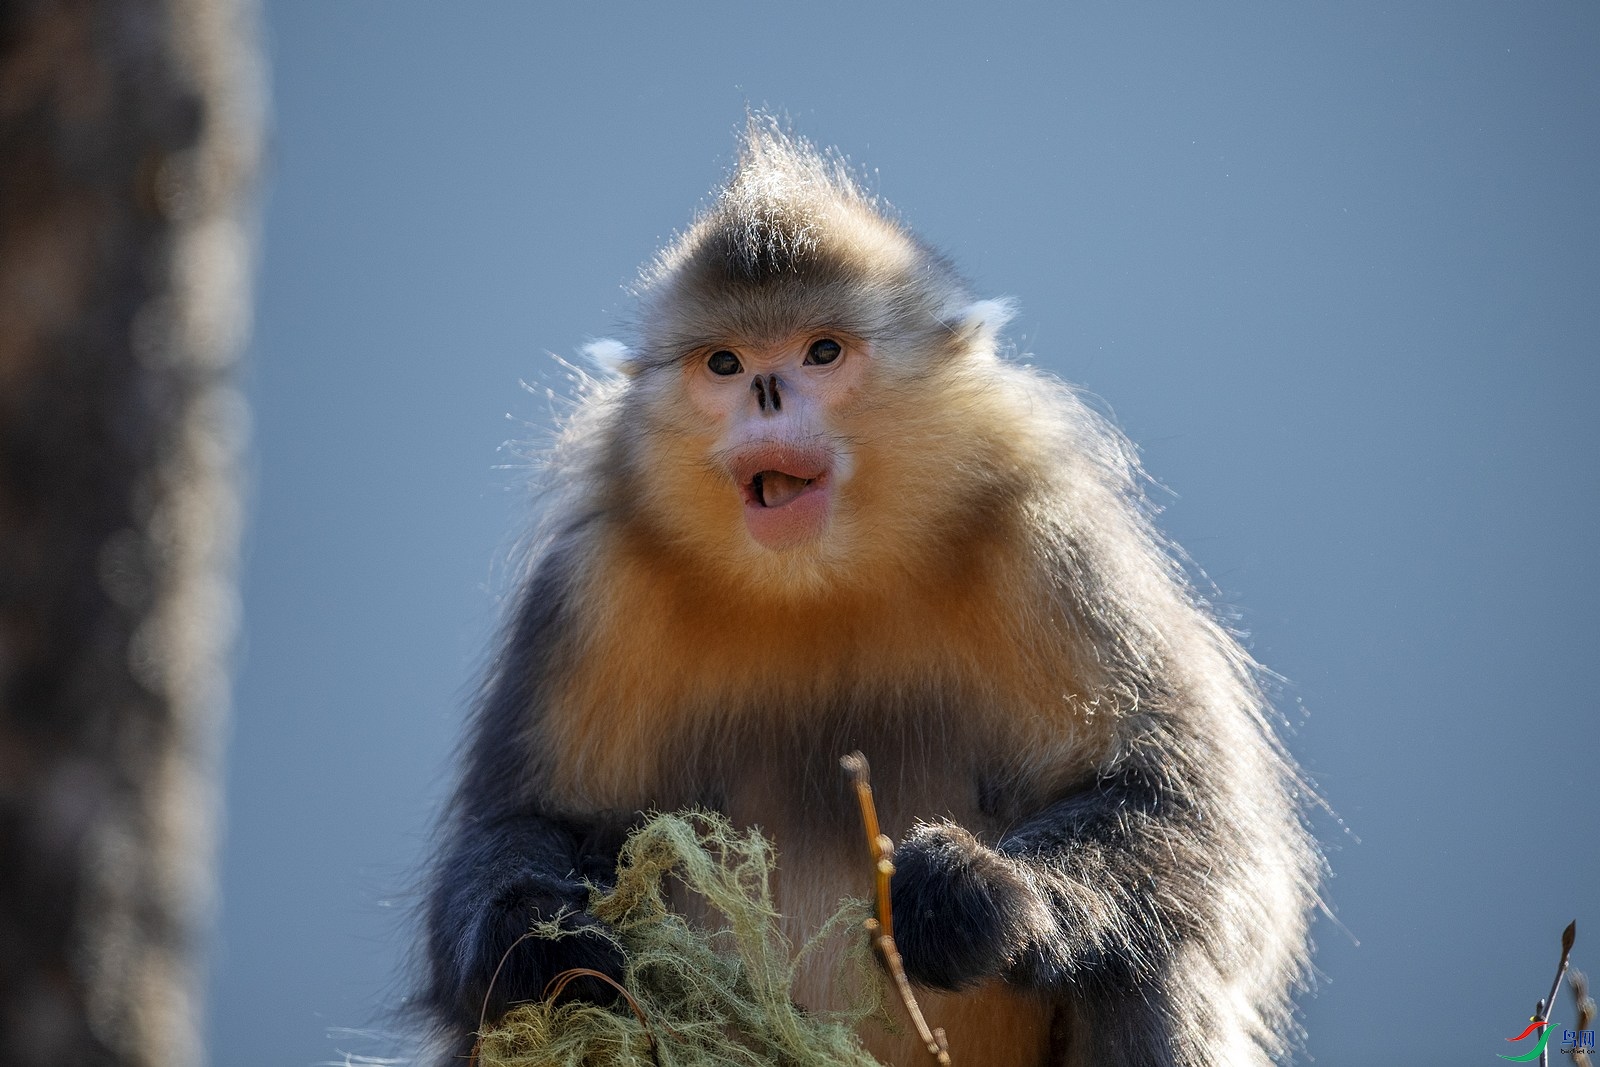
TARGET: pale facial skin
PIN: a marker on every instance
(773, 408)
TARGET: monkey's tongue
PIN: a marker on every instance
(776, 488)
(784, 510)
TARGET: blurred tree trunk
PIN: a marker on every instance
(128, 140)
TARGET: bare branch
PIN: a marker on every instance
(881, 929)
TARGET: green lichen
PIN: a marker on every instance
(719, 996)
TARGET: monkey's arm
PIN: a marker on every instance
(1097, 891)
(509, 862)
(504, 873)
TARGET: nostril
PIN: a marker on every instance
(759, 388)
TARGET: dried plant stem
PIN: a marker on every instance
(554, 989)
(881, 929)
(1568, 936)
(1541, 1012)
(483, 1013)
(560, 981)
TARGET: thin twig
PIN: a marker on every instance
(559, 983)
(881, 929)
(1568, 936)
(553, 989)
(1542, 1012)
(483, 1013)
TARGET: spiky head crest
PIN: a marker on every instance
(772, 216)
(791, 241)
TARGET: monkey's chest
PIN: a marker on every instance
(783, 774)
(774, 764)
(803, 801)
(800, 797)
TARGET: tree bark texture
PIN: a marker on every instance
(129, 133)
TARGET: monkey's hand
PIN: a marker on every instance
(494, 966)
(962, 911)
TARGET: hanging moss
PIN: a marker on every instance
(716, 997)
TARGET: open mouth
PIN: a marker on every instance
(774, 488)
(787, 493)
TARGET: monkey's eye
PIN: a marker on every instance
(724, 362)
(823, 352)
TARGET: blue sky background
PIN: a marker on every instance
(1335, 267)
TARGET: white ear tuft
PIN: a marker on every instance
(608, 355)
(981, 322)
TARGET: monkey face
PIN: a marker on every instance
(761, 455)
(772, 410)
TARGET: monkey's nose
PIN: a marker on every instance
(766, 389)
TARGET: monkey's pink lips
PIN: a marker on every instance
(787, 496)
